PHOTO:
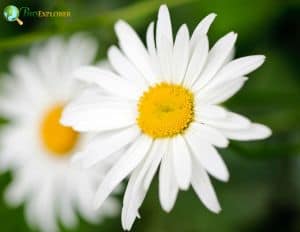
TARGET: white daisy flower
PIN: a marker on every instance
(37, 148)
(162, 107)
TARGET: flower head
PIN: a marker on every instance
(37, 148)
(161, 108)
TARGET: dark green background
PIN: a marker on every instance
(264, 190)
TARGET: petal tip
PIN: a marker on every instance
(218, 210)
(163, 7)
(212, 15)
(119, 25)
(167, 209)
(268, 132)
(163, 11)
(225, 176)
(185, 187)
(263, 131)
(262, 58)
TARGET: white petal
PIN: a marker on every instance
(135, 191)
(208, 156)
(50, 67)
(91, 99)
(152, 50)
(158, 149)
(232, 121)
(40, 211)
(95, 97)
(126, 69)
(180, 54)
(67, 211)
(103, 146)
(18, 190)
(208, 134)
(164, 42)
(230, 56)
(164, 25)
(210, 111)
(8, 107)
(221, 92)
(168, 188)
(135, 50)
(197, 61)
(164, 54)
(181, 162)
(254, 132)
(150, 40)
(202, 29)
(216, 58)
(129, 161)
(85, 199)
(96, 118)
(28, 76)
(80, 50)
(111, 207)
(237, 68)
(108, 81)
(14, 101)
(133, 198)
(204, 189)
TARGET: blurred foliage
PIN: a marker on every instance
(263, 193)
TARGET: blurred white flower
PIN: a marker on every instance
(162, 105)
(37, 148)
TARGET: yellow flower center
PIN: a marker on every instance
(56, 138)
(165, 110)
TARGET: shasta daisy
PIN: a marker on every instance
(161, 108)
(37, 148)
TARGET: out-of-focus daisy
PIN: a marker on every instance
(37, 148)
(162, 105)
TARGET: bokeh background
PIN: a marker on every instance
(263, 193)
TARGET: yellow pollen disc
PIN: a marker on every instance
(56, 138)
(165, 110)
